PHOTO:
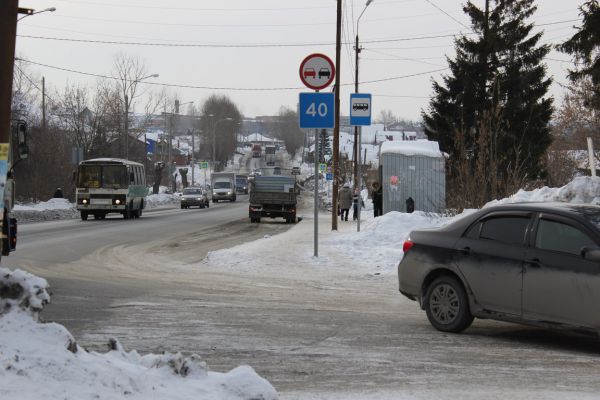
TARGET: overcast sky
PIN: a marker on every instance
(251, 50)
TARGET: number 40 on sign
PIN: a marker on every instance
(316, 110)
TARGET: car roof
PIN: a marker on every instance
(560, 207)
(581, 212)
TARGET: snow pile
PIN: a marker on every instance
(161, 199)
(45, 211)
(52, 204)
(42, 360)
(585, 189)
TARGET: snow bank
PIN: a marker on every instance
(42, 360)
(584, 189)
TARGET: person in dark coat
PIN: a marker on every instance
(345, 201)
(410, 205)
(58, 193)
(355, 199)
(377, 196)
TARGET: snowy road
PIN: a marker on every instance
(314, 333)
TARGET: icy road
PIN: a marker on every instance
(314, 333)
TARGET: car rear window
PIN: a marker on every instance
(557, 236)
(505, 229)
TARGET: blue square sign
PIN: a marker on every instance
(316, 110)
(360, 109)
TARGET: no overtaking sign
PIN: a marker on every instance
(317, 71)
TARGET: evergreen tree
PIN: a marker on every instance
(584, 46)
(490, 113)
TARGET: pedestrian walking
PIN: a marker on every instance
(345, 201)
(377, 196)
(58, 193)
(355, 199)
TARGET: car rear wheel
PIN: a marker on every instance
(447, 305)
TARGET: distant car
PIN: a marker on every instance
(257, 172)
(194, 197)
(531, 263)
(296, 171)
(276, 170)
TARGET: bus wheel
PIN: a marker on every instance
(84, 216)
(96, 216)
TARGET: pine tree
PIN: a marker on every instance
(584, 46)
(496, 88)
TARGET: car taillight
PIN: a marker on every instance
(407, 245)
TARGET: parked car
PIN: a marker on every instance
(194, 197)
(531, 263)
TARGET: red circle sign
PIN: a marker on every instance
(317, 71)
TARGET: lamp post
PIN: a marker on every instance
(357, 134)
(127, 89)
(29, 12)
(356, 149)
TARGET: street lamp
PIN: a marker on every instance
(127, 89)
(29, 12)
(357, 135)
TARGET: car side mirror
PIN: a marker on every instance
(591, 253)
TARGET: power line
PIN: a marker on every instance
(35, 85)
(241, 9)
(220, 88)
(224, 45)
(434, 5)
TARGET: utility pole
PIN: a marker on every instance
(336, 129)
(355, 150)
(43, 104)
(8, 35)
(192, 160)
(126, 126)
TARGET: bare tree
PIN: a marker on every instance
(286, 128)
(220, 123)
(26, 93)
(129, 72)
(575, 121)
(387, 118)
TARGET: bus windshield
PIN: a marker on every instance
(102, 176)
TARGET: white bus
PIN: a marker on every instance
(111, 185)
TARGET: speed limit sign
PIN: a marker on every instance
(316, 110)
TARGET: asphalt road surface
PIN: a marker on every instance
(346, 338)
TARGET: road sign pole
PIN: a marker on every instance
(316, 212)
(359, 178)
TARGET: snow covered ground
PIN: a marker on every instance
(43, 361)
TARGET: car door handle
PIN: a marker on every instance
(533, 262)
(465, 250)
